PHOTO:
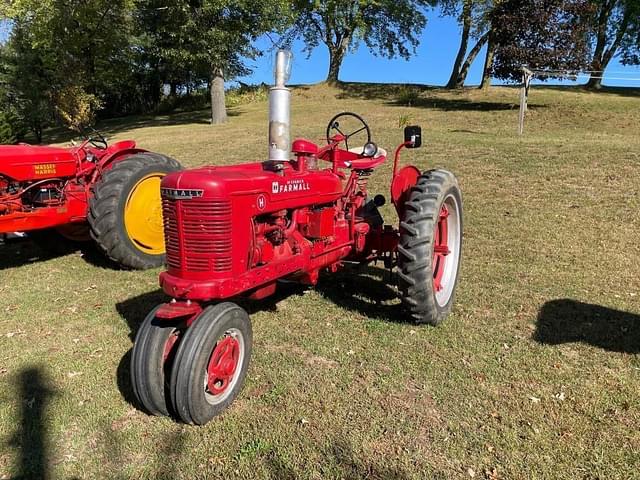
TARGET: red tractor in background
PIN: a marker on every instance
(65, 196)
(235, 231)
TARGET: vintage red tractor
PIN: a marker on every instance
(65, 196)
(235, 231)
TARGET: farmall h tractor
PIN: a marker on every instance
(235, 231)
(65, 196)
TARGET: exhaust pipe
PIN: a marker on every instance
(280, 110)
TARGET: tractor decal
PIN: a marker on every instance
(44, 169)
(297, 185)
(180, 193)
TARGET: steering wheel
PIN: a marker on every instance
(335, 125)
(98, 140)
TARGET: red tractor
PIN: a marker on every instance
(237, 230)
(66, 196)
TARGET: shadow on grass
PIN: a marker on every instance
(114, 126)
(340, 453)
(31, 437)
(633, 92)
(22, 251)
(566, 321)
(393, 94)
(363, 289)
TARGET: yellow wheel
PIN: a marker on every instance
(143, 215)
(125, 213)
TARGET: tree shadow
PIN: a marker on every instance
(22, 251)
(567, 321)
(31, 437)
(114, 126)
(633, 92)
(395, 94)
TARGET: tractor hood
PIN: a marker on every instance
(29, 162)
(283, 189)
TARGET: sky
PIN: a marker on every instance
(430, 65)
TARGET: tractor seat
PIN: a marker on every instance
(367, 163)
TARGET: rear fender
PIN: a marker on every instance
(401, 185)
(119, 151)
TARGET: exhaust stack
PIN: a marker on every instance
(280, 110)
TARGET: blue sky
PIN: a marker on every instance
(430, 65)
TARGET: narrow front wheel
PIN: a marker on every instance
(211, 363)
(151, 360)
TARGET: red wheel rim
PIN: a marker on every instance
(222, 365)
(170, 346)
(440, 247)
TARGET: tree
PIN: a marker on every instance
(389, 28)
(475, 18)
(542, 34)
(216, 37)
(615, 28)
(27, 79)
(67, 46)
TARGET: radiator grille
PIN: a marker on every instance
(198, 234)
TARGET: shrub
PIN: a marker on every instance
(408, 96)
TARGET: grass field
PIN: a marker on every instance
(535, 375)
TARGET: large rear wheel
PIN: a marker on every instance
(430, 247)
(125, 213)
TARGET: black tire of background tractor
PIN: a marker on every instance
(149, 370)
(416, 246)
(189, 372)
(54, 243)
(106, 208)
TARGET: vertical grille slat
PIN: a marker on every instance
(205, 243)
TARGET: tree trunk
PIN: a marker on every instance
(595, 82)
(336, 55)
(464, 71)
(218, 108)
(488, 65)
(174, 89)
(462, 51)
(603, 55)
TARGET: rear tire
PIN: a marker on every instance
(151, 360)
(125, 212)
(430, 247)
(211, 363)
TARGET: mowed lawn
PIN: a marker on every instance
(536, 374)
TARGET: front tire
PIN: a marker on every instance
(211, 363)
(125, 213)
(430, 247)
(151, 360)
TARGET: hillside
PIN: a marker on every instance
(535, 375)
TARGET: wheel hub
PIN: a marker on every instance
(143, 215)
(441, 247)
(222, 365)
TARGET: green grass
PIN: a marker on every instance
(536, 374)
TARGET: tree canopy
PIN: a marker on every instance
(390, 28)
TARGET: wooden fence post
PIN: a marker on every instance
(527, 75)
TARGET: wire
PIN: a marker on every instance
(575, 75)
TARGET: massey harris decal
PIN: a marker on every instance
(180, 193)
(44, 169)
(298, 185)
